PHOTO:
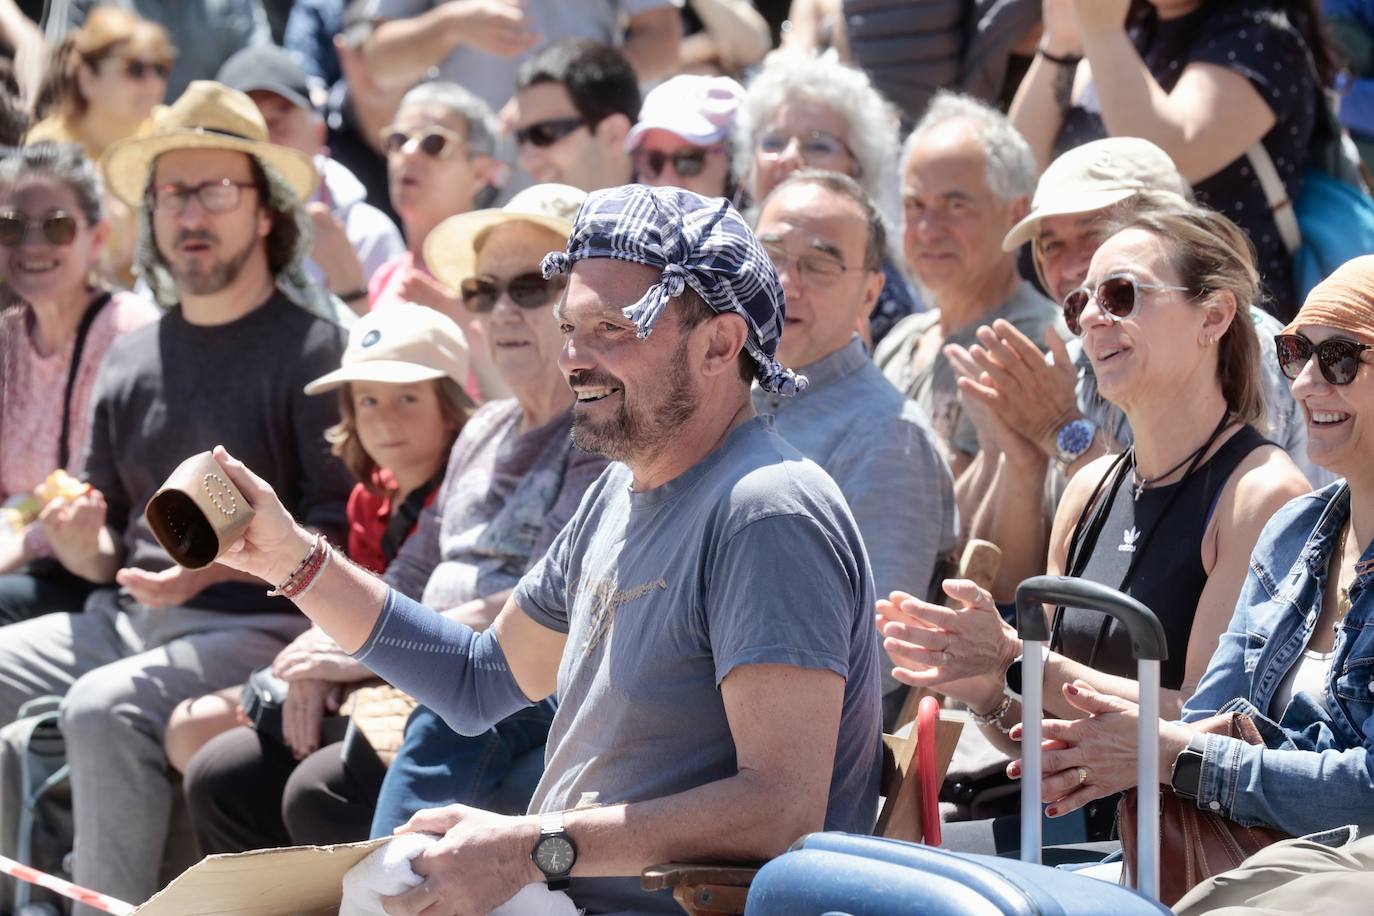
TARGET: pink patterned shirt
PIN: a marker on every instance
(34, 385)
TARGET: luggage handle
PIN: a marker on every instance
(1149, 647)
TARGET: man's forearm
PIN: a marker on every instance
(401, 51)
(739, 819)
(654, 43)
(1016, 524)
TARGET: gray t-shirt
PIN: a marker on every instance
(933, 385)
(505, 495)
(492, 78)
(750, 557)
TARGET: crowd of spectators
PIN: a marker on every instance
(600, 371)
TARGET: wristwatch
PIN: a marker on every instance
(554, 852)
(1011, 680)
(1187, 777)
(1075, 438)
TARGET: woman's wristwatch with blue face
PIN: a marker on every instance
(1075, 438)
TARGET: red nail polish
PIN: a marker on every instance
(1052, 811)
(1071, 689)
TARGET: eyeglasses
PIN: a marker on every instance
(812, 269)
(218, 196)
(687, 163)
(436, 142)
(1338, 358)
(547, 133)
(529, 291)
(1118, 296)
(814, 146)
(59, 227)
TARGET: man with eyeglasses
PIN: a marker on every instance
(575, 103)
(967, 177)
(352, 237)
(222, 249)
(826, 241)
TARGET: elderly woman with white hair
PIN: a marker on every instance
(808, 112)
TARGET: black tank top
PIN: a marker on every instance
(1168, 578)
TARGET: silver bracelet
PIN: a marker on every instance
(993, 718)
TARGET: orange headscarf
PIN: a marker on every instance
(1344, 300)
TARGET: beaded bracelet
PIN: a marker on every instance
(994, 717)
(303, 576)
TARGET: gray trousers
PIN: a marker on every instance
(122, 668)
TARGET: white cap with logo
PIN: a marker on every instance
(400, 344)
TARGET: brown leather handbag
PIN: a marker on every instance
(1195, 844)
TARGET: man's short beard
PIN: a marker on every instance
(626, 436)
(217, 277)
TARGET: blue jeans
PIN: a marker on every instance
(498, 770)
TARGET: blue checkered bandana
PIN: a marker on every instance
(696, 241)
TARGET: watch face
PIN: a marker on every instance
(1014, 677)
(554, 855)
(1075, 437)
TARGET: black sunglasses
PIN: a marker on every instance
(1338, 358)
(1117, 295)
(686, 162)
(59, 227)
(529, 291)
(547, 133)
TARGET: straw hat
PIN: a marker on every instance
(1095, 176)
(207, 116)
(399, 344)
(451, 248)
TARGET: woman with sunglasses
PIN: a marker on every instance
(683, 132)
(1299, 650)
(53, 337)
(1171, 520)
(104, 81)
(813, 112)
(440, 156)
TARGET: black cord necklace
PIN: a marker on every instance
(1139, 483)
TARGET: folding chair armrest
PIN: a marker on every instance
(677, 874)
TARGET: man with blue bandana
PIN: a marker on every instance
(705, 618)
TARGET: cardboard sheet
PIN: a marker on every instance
(296, 881)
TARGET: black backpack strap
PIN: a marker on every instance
(82, 332)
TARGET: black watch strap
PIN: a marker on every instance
(1187, 777)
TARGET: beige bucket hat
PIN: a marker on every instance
(207, 116)
(1094, 176)
(400, 344)
(451, 247)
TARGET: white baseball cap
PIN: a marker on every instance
(1095, 176)
(400, 344)
(699, 109)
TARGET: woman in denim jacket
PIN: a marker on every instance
(1299, 652)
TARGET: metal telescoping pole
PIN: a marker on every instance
(1032, 708)
(1147, 836)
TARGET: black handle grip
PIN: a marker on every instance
(1147, 634)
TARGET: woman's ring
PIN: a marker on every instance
(1082, 775)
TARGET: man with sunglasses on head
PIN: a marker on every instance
(222, 246)
(967, 177)
(352, 237)
(683, 135)
(826, 240)
(575, 102)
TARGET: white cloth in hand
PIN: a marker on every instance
(386, 872)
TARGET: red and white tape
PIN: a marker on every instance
(65, 888)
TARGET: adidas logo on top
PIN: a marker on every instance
(1128, 539)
